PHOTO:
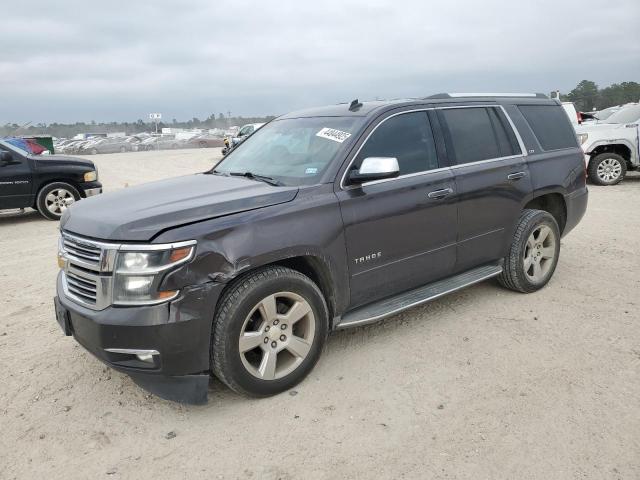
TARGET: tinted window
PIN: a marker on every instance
(550, 125)
(408, 138)
(507, 142)
(471, 134)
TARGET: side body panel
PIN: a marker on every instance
(16, 182)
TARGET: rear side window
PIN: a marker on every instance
(550, 125)
(408, 138)
(471, 134)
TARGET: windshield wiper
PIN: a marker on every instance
(261, 178)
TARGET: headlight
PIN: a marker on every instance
(582, 137)
(138, 274)
(91, 176)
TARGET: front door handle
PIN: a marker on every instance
(440, 193)
(516, 176)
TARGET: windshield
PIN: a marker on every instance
(294, 151)
(629, 114)
(16, 146)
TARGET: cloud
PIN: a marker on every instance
(120, 60)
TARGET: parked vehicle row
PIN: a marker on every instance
(134, 143)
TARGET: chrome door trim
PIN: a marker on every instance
(523, 150)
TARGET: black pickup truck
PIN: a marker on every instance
(323, 219)
(48, 183)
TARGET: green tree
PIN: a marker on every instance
(585, 95)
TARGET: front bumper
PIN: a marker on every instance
(179, 331)
(91, 189)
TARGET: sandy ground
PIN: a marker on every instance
(482, 384)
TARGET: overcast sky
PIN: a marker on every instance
(71, 60)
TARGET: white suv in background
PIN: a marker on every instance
(612, 147)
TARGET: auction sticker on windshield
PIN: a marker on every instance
(333, 134)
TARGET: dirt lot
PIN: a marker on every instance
(482, 384)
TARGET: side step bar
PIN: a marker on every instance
(390, 306)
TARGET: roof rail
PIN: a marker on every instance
(508, 95)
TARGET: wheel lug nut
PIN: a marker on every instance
(276, 321)
(283, 326)
(266, 329)
(274, 344)
(266, 339)
(283, 337)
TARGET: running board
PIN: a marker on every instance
(390, 306)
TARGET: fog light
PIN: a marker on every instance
(145, 357)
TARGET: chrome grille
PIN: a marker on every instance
(85, 288)
(86, 253)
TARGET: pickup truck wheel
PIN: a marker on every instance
(533, 254)
(53, 199)
(607, 169)
(268, 331)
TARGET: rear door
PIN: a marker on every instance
(15, 181)
(400, 232)
(492, 180)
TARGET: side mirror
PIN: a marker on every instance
(5, 157)
(375, 168)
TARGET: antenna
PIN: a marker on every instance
(355, 106)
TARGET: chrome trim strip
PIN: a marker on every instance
(419, 302)
(132, 351)
(523, 150)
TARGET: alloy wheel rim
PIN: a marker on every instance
(609, 169)
(58, 200)
(277, 335)
(539, 253)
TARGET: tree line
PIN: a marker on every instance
(588, 96)
(65, 130)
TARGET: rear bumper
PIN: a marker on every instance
(576, 203)
(179, 331)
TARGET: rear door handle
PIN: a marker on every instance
(516, 176)
(440, 193)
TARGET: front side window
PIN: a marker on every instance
(407, 137)
(293, 151)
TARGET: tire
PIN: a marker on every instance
(54, 198)
(94, 151)
(520, 272)
(607, 169)
(203, 145)
(240, 312)
(123, 149)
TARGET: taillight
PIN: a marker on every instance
(579, 118)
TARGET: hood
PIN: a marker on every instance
(139, 213)
(50, 160)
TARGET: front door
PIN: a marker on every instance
(15, 180)
(400, 232)
(492, 181)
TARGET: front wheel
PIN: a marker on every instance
(55, 198)
(268, 331)
(534, 252)
(607, 169)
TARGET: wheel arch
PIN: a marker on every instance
(312, 266)
(622, 148)
(49, 181)
(552, 203)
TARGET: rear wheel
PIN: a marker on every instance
(55, 198)
(268, 331)
(607, 169)
(534, 252)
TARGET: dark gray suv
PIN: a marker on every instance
(326, 218)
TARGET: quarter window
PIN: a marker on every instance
(550, 125)
(407, 137)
